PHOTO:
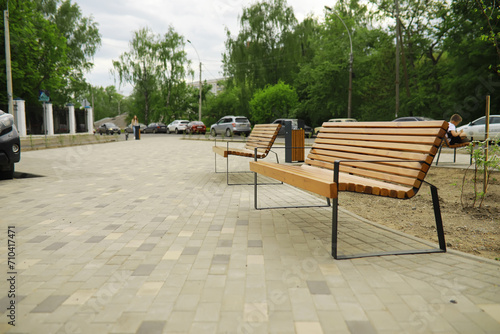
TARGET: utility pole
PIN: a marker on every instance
(7, 60)
(199, 105)
(397, 57)
(199, 60)
(351, 59)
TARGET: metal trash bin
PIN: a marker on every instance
(137, 132)
(294, 144)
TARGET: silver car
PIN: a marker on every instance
(476, 130)
(230, 125)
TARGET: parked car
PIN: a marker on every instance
(317, 129)
(10, 146)
(155, 128)
(476, 130)
(296, 125)
(412, 119)
(109, 129)
(177, 126)
(129, 129)
(230, 125)
(196, 127)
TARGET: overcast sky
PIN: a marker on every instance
(202, 22)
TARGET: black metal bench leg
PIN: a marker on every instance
(335, 220)
(438, 218)
(439, 153)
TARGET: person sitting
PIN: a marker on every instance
(454, 136)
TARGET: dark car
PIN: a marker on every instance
(296, 125)
(10, 146)
(109, 129)
(412, 119)
(196, 127)
(155, 128)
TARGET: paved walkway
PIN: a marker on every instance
(143, 237)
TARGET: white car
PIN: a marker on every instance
(475, 130)
(317, 129)
(177, 126)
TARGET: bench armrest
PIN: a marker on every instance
(232, 141)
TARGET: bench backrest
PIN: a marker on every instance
(263, 137)
(413, 144)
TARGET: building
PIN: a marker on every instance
(216, 88)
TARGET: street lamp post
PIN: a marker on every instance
(199, 107)
(351, 59)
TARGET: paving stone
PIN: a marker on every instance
(50, 304)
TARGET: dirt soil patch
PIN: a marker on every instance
(470, 229)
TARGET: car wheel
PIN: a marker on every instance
(213, 133)
(8, 173)
(228, 133)
(176, 131)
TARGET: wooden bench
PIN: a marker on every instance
(454, 147)
(388, 159)
(258, 145)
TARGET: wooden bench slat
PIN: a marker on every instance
(319, 154)
(384, 131)
(428, 149)
(353, 183)
(398, 125)
(432, 140)
(393, 178)
(376, 152)
(384, 168)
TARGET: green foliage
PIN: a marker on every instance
(269, 47)
(277, 101)
(52, 45)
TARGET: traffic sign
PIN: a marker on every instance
(44, 96)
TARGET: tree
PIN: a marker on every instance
(155, 66)
(277, 101)
(266, 49)
(52, 45)
(424, 28)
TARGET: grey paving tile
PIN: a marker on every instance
(55, 246)
(254, 243)
(95, 239)
(360, 327)
(50, 304)
(318, 287)
(151, 327)
(38, 239)
(144, 270)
